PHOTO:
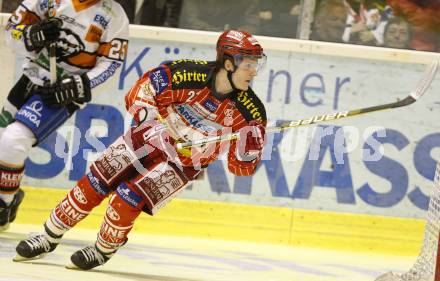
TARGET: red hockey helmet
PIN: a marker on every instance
(237, 45)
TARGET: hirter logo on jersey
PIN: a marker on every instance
(247, 103)
(188, 76)
(210, 105)
(159, 79)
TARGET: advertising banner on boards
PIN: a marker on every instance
(381, 163)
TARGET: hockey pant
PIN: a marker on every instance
(34, 121)
(18, 95)
(22, 105)
(139, 176)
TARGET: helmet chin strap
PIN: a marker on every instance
(230, 80)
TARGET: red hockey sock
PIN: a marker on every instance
(73, 208)
(10, 179)
(118, 221)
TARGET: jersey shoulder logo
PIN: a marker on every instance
(190, 74)
(159, 79)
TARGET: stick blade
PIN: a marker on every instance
(426, 81)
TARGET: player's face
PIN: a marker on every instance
(246, 71)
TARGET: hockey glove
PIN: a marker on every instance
(251, 140)
(42, 34)
(70, 89)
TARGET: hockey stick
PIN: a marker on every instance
(52, 47)
(422, 87)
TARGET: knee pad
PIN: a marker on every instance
(15, 143)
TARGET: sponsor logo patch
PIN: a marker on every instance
(101, 20)
(128, 195)
(96, 184)
(71, 21)
(159, 80)
(94, 34)
(193, 120)
(203, 111)
(10, 180)
(32, 112)
(210, 105)
(112, 214)
(79, 195)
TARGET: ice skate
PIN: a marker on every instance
(8, 213)
(88, 258)
(35, 247)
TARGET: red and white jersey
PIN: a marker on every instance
(182, 94)
(93, 39)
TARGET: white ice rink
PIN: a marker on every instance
(158, 258)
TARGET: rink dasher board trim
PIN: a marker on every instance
(279, 44)
(286, 44)
(252, 223)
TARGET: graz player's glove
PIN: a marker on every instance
(42, 34)
(75, 88)
(251, 140)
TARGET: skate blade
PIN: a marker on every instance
(19, 258)
(4, 227)
(72, 266)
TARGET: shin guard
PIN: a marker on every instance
(118, 221)
(75, 206)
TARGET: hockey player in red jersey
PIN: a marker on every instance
(91, 42)
(143, 170)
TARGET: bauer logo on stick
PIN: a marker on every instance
(325, 117)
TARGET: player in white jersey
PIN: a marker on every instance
(91, 38)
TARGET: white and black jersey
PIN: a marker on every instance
(93, 39)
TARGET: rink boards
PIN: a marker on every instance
(317, 186)
(262, 224)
